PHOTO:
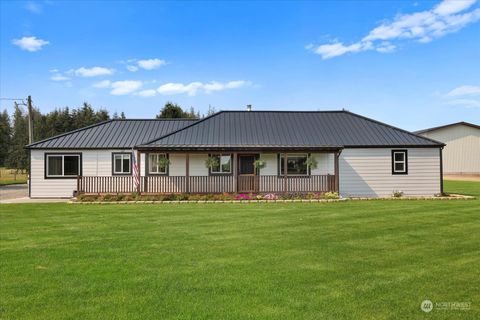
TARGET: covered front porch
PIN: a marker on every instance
(233, 171)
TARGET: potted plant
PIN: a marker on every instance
(259, 164)
(212, 162)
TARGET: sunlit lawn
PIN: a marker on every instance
(349, 260)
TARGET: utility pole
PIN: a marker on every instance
(30, 119)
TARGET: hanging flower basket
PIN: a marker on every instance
(163, 163)
(259, 164)
(312, 163)
(212, 162)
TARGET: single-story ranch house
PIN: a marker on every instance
(239, 151)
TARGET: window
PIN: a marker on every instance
(155, 165)
(399, 162)
(62, 165)
(296, 164)
(122, 163)
(224, 164)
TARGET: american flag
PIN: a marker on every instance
(136, 175)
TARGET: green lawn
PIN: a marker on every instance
(347, 260)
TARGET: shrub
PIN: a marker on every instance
(331, 195)
(119, 197)
(107, 197)
(242, 196)
(397, 193)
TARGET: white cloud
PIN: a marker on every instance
(468, 103)
(176, 88)
(465, 96)
(464, 91)
(194, 87)
(31, 44)
(147, 93)
(102, 84)
(92, 72)
(125, 87)
(150, 64)
(59, 77)
(132, 68)
(423, 26)
(451, 7)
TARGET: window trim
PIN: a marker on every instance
(147, 165)
(113, 164)
(211, 173)
(45, 162)
(405, 152)
(280, 167)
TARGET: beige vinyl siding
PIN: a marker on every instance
(271, 164)
(178, 165)
(368, 172)
(462, 151)
(325, 163)
(94, 163)
(197, 164)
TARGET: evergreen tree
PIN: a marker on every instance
(172, 111)
(18, 155)
(122, 115)
(5, 137)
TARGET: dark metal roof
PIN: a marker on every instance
(462, 123)
(228, 130)
(113, 134)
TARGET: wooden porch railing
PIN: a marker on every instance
(207, 184)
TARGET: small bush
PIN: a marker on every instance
(107, 197)
(397, 193)
(119, 197)
(331, 195)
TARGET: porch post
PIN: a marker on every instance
(337, 178)
(187, 173)
(235, 172)
(285, 169)
(139, 159)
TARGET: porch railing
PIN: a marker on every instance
(207, 184)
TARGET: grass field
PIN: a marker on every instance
(8, 176)
(348, 260)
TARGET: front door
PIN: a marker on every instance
(247, 179)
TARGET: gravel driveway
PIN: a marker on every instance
(13, 191)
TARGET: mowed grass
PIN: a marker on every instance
(348, 260)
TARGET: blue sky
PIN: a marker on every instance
(412, 64)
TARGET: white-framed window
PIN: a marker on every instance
(296, 164)
(63, 165)
(122, 163)
(154, 163)
(224, 164)
(399, 162)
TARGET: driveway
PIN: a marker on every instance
(13, 191)
(18, 193)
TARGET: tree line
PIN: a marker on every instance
(14, 129)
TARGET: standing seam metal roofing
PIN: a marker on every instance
(113, 134)
(269, 129)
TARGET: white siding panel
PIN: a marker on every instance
(178, 164)
(368, 172)
(325, 163)
(94, 163)
(271, 161)
(197, 165)
(462, 151)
